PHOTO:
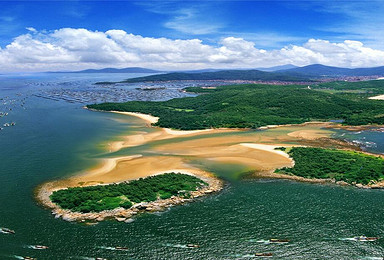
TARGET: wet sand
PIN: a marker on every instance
(309, 134)
(254, 149)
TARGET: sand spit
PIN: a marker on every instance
(148, 118)
(87, 178)
(141, 137)
(188, 132)
(266, 147)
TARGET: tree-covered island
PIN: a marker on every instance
(126, 194)
(340, 165)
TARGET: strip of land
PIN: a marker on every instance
(148, 118)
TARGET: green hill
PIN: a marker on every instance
(252, 106)
(318, 70)
(348, 166)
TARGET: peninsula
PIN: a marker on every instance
(253, 106)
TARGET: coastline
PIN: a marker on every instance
(148, 118)
(125, 215)
(260, 156)
(284, 176)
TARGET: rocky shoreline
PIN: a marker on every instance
(274, 175)
(125, 215)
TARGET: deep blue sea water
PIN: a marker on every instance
(54, 138)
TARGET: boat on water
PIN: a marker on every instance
(7, 231)
(100, 258)
(365, 238)
(275, 240)
(39, 247)
(121, 248)
(192, 246)
(263, 254)
(29, 258)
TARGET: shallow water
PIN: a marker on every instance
(53, 139)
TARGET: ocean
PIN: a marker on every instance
(54, 137)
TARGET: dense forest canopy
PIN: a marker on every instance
(107, 197)
(348, 166)
(255, 105)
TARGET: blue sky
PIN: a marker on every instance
(269, 25)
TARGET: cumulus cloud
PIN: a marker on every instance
(71, 49)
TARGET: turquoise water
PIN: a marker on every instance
(53, 139)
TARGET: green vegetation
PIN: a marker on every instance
(218, 75)
(322, 71)
(348, 166)
(107, 197)
(363, 88)
(252, 106)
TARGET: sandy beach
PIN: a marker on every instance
(253, 149)
(309, 134)
(148, 118)
(380, 97)
(266, 147)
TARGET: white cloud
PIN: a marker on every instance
(194, 18)
(71, 49)
(267, 40)
(31, 29)
(191, 21)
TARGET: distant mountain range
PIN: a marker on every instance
(318, 70)
(268, 69)
(289, 71)
(114, 70)
(220, 75)
(277, 68)
(279, 73)
(145, 70)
